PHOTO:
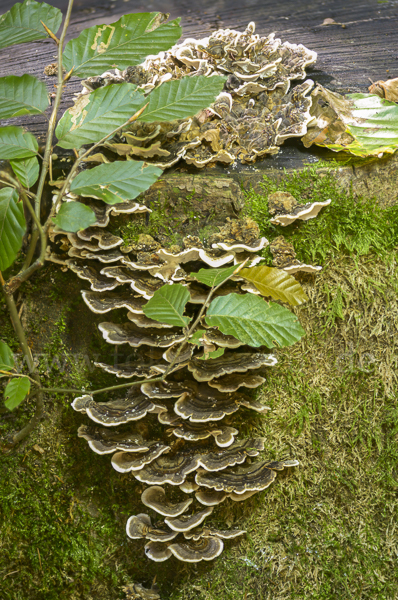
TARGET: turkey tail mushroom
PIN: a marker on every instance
(196, 450)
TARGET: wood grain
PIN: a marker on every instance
(367, 47)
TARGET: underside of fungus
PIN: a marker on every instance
(256, 112)
(199, 462)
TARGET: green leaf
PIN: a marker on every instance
(196, 338)
(253, 321)
(213, 277)
(74, 216)
(22, 22)
(168, 304)
(27, 170)
(378, 131)
(121, 44)
(115, 182)
(16, 391)
(181, 98)
(24, 95)
(214, 354)
(17, 143)
(12, 226)
(276, 283)
(362, 124)
(95, 115)
(6, 357)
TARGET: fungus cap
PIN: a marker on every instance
(155, 497)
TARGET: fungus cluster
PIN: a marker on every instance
(257, 111)
(196, 459)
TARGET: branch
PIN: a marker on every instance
(50, 134)
(77, 162)
(13, 284)
(29, 359)
(10, 374)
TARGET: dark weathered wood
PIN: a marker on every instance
(366, 48)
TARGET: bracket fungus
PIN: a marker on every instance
(206, 532)
(263, 102)
(155, 497)
(253, 478)
(196, 450)
(140, 527)
(104, 441)
(191, 551)
(116, 412)
(205, 548)
(284, 257)
(287, 210)
(188, 430)
(135, 591)
(124, 462)
(186, 522)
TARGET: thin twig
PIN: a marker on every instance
(79, 160)
(50, 134)
(13, 284)
(12, 309)
(38, 552)
(10, 374)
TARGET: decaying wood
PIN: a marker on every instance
(366, 48)
(347, 57)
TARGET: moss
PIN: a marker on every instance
(348, 225)
(167, 223)
(323, 531)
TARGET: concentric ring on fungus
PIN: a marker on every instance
(257, 111)
(199, 452)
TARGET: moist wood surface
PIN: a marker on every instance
(367, 47)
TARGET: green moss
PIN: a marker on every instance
(323, 531)
(165, 223)
(348, 225)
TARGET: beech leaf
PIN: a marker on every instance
(275, 283)
(214, 354)
(115, 182)
(74, 216)
(27, 170)
(362, 124)
(213, 277)
(16, 391)
(22, 23)
(196, 338)
(181, 98)
(12, 226)
(6, 357)
(121, 44)
(167, 305)
(254, 321)
(24, 95)
(17, 143)
(95, 115)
